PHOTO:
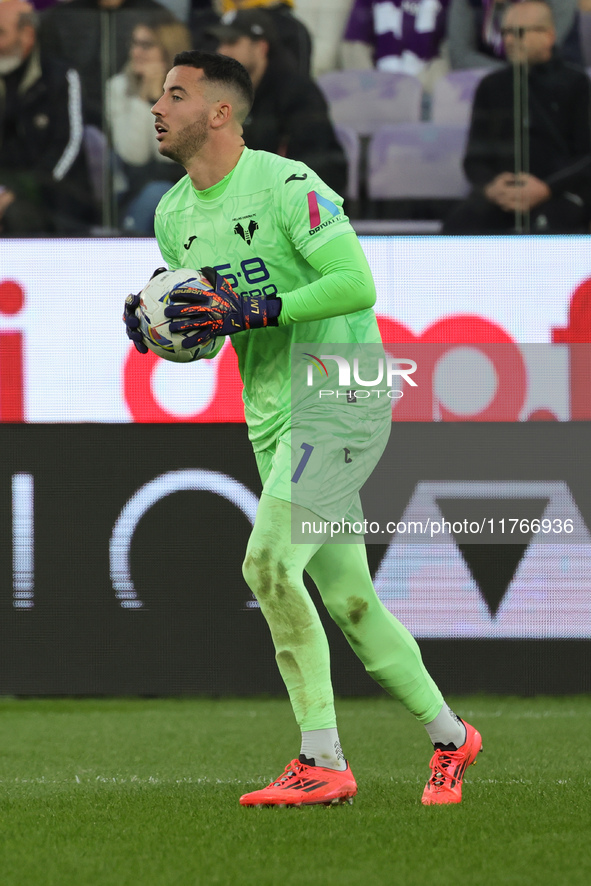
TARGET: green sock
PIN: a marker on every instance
(389, 652)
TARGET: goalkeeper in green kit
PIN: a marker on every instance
(287, 268)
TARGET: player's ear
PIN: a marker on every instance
(222, 114)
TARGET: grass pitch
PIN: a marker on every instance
(145, 793)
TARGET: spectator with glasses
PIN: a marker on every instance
(93, 36)
(551, 189)
(129, 99)
(474, 32)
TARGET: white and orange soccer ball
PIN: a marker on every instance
(154, 326)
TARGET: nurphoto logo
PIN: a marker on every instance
(382, 370)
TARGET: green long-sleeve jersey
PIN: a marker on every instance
(272, 227)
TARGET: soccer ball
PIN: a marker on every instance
(154, 325)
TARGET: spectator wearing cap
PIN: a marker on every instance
(292, 32)
(44, 181)
(289, 115)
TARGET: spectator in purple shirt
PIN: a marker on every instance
(405, 37)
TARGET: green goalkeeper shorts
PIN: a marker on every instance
(323, 458)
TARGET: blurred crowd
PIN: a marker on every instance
(472, 116)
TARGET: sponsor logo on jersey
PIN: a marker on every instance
(187, 245)
(247, 233)
(297, 178)
(316, 202)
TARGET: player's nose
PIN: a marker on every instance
(157, 108)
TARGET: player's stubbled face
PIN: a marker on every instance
(182, 115)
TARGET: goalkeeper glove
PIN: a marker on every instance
(221, 312)
(132, 323)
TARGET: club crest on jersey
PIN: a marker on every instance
(247, 233)
(316, 203)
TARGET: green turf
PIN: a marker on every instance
(145, 793)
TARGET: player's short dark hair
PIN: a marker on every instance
(219, 69)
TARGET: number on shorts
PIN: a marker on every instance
(303, 461)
